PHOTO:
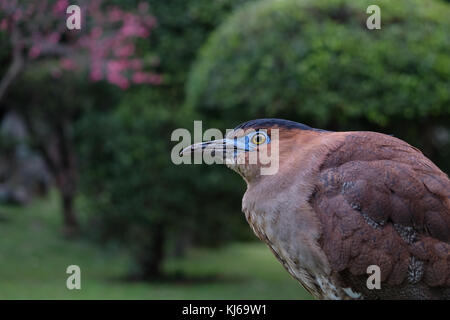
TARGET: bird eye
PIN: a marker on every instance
(258, 138)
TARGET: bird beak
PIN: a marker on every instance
(226, 146)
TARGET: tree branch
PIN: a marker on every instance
(17, 65)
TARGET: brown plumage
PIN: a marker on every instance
(342, 201)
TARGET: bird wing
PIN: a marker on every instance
(382, 202)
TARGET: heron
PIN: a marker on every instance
(341, 202)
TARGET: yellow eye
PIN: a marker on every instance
(258, 138)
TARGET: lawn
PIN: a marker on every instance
(34, 257)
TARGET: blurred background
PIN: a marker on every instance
(86, 118)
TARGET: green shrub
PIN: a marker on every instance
(183, 26)
(315, 61)
(138, 197)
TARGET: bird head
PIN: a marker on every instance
(255, 148)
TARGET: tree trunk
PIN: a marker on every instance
(16, 66)
(152, 255)
(182, 244)
(66, 181)
(70, 226)
(59, 155)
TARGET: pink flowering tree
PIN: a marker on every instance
(104, 46)
(104, 49)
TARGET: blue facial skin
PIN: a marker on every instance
(248, 145)
(247, 142)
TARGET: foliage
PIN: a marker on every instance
(46, 60)
(105, 44)
(138, 195)
(182, 28)
(316, 62)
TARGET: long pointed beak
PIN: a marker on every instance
(221, 145)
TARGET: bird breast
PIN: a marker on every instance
(286, 222)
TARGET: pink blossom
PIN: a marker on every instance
(53, 37)
(96, 74)
(96, 32)
(105, 47)
(60, 6)
(135, 64)
(116, 66)
(17, 16)
(34, 52)
(118, 80)
(114, 75)
(124, 51)
(139, 77)
(115, 14)
(68, 64)
(3, 24)
(146, 77)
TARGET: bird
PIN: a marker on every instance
(340, 202)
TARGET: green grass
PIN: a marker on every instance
(34, 257)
